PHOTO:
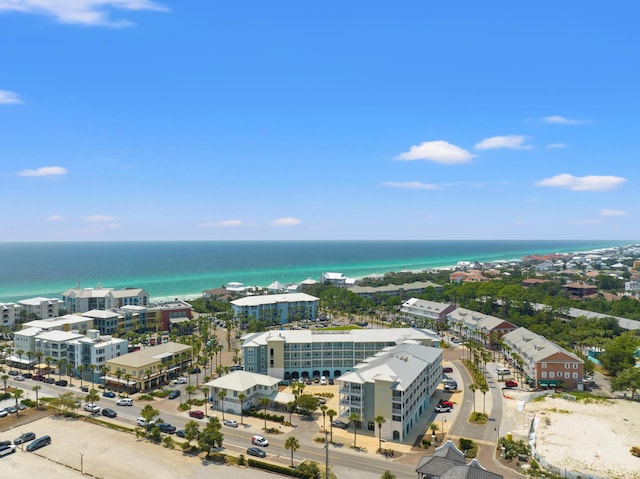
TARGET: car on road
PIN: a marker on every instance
(28, 375)
(442, 402)
(49, 381)
(143, 422)
(19, 377)
(181, 433)
(124, 402)
(230, 422)
(256, 451)
(173, 394)
(108, 412)
(62, 382)
(92, 408)
(109, 394)
(196, 413)
(13, 373)
(510, 383)
(167, 428)
(4, 413)
(340, 424)
(448, 369)
(259, 441)
(38, 443)
(7, 449)
(11, 409)
(180, 381)
(24, 437)
(84, 389)
(443, 409)
(450, 385)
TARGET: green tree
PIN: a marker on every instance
(205, 391)
(265, 403)
(150, 416)
(331, 413)
(36, 389)
(17, 394)
(355, 419)
(211, 436)
(379, 420)
(627, 380)
(191, 430)
(619, 353)
(388, 475)
(92, 396)
(222, 394)
(4, 378)
(242, 398)
(292, 444)
(473, 388)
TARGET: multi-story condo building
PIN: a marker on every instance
(402, 290)
(276, 308)
(40, 308)
(81, 300)
(162, 315)
(479, 327)
(422, 313)
(9, 315)
(118, 321)
(542, 361)
(68, 322)
(148, 368)
(293, 354)
(253, 386)
(396, 384)
(94, 350)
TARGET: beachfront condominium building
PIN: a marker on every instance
(542, 362)
(81, 300)
(40, 308)
(119, 321)
(478, 327)
(68, 322)
(9, 315)
(402, 290)
(426, 314)
(397, 384)
(163, 315)
(307, 353)
(275, 308)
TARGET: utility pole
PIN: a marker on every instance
(326, 457)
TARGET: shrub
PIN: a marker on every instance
(278, 469)
(145, 397)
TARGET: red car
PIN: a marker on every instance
(510, 383)
(196, 413)
(445, 403)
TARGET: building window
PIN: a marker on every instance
(567, 365)
(575, 375)
(544, 365)
(543, 375)
(567, 374)
(552, 375)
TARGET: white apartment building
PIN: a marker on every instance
(94, 349)
(81, 300)
(9, 315)
(253, 386)
(68, 322)
(40, 308)
(293, 354)
(276, 308)
(396, 384)
(423, 313)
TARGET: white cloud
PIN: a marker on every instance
(583, 183)
(228, 223)
(45, 171)
(83, 12)
(553, 146)
(437, 151)
(592, 221)
(99, 219)
(9, 97)
(55, 218)
(608, 213)
(561, 120)
(412, 185)
(513, 142)
(286, 222)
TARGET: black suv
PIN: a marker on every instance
(38, 443)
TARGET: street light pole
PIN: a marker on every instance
(326, 456)
(82, 464)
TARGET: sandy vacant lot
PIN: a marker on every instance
(592, 437)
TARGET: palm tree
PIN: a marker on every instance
(484, 389)
(147, 373)
(30, 355)
(388, 475)
(48, 360)
(37, 388)
(17, 394)
(103, 373)
(355, 418)
(92, 368)
(59, 364)
(92, 396)
(222, 394)
(190, 390)
(39, 355)
(292, 444)
(380, 420)
(434, 427)
(265, 402)
(331, 413)
(4, 378)
(473, 387)
(81, 372)
(324, 409)
(205, 391)
(242, 397)
(19, 353)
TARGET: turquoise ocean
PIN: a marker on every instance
(183, 269)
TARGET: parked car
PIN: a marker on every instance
(5, 443)
(38, 377)
(167, 428)
(62, 382)
(38, 443)
(181, 433)
(7, 449)
(13, 373)
(323, 380)
(124, 402)
(4, 413)
(256, 451)
(196, 413)
(442, 402)
(448, 369)
(84, 389)
(230, 422)
(92, 408)
(331, 382)
(443, 409)
(108, 412)
(340, 424)
(109, 394)
(173, 394)
(510, 383)
(143, 422)
(451, 386)
(24, 437)
(28, 376)
(11, 409)
(259, 441)
(180, 381)
(19, 377)
(49, 381)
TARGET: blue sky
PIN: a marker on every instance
(219, 120)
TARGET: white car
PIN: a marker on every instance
(124, 402)
(92, 408)
(323, 380)
(259, 441)
(180, 381)
(142, 422)
(6, 450)
(19, 377)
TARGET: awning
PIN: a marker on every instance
(551, 382)
(178, 320)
